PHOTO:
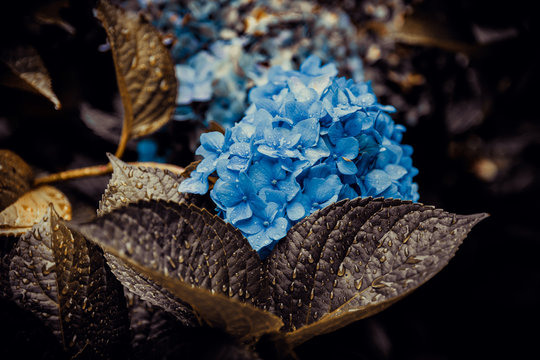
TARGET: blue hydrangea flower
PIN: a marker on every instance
(147, 150)
(307, 140)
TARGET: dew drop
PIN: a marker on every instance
(332, 295)
(310, 259)
(163, 85)
(291, 288)
(294, 274)
(186, 244)
(312, 294)
(25, 281)
(56, 227)
(281, 306)
(315, 315)
(224, 288)
(341, 270)
(358, 284)
(299, 303)
(181, 259)
(382, 259)
(139, 185)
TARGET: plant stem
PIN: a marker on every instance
(100, 170)
(74, 174)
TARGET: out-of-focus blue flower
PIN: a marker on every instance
(307, 140)
(147, 150)
(196, 78)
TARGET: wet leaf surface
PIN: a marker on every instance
(30, 208)
(131, 183)
(15, 178)
(195, 256)
(62, 279)
(144, 70)
(355, 258)
(341, 264)
(29, 72)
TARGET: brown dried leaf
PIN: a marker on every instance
(144, 70)
(15, 178)
(30, 72)
(30, 208)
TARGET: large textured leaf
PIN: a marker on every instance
(60, 277)
(15, 178)
(355, 258)
(144, 71)
(30, 208)
(193, 255)
(29, 72)
(341, 264)
(131, 183)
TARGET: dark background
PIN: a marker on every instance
(477, 151)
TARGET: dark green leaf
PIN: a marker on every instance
(15, 178)
(63, 279)
(193, 255)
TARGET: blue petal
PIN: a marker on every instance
(250, 226)
(295, 211)
(289, 186)
(197, 183)
(347, 148)
(229, 194)
(346, 167)
(241, 211)
(309, 131)
(260, 173)
(378, 181)
(259, 241)
(278, 229)
(395, 172)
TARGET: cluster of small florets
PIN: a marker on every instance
(308, 139)
(222, 48)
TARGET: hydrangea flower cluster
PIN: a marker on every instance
(307, 140)
(222, 48)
